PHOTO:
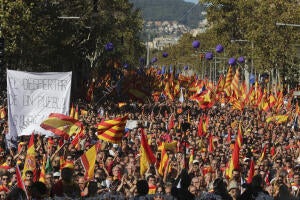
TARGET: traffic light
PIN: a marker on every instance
(1, 52)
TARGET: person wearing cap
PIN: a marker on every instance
(234, 189)
(56, 177)
(194, 169)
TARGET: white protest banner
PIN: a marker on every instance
(31, 97)
(131, 124)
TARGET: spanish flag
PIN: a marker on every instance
(234, 161)
(30, 157)
(163, 161)
(146, 154)
(112, 130)
(62, 125)
(88, 160)
(42, 174)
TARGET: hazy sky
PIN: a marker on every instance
(194, 1)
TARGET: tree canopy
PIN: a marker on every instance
(247, 28)
(41, 36)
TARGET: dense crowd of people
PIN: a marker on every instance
(193, 171)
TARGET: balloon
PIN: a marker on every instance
(231, 61)
(196, 44)
(209, 56)
(109, 46)
(159, 72)
(165, 54)
(241, 59)
(153, 60)
(142, 60)
(186, 67)
(219, 48)
(125, 66)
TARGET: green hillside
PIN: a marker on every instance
(169, 10)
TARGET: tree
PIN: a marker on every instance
(38, 39)
(255, 21)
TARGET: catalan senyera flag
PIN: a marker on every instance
(88, 160)
(146, 155)
(77, 138)
(228, 81)
(30, 157)
(163, 161)
(62, 125)
(235, 84)
(112, 130)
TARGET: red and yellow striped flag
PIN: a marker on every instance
(228, 81)
(112, 130)
(146, 155)
(30, 157)
(235, 84)
(88, 160)
(62, 125)
(220, 85)
(163, 161)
